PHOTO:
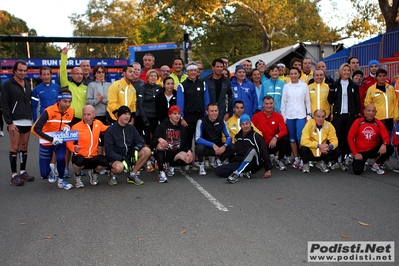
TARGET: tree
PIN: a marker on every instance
(120, 19)
(243, 28)
(390, 11)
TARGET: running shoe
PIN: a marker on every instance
(134, 179)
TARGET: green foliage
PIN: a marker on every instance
(243, 28)
(118, 18)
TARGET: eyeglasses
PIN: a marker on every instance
(165, 71)
(100, 72)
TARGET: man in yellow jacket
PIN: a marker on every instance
(122, 93)
(318, 93)
(319, 142)
(383, 96)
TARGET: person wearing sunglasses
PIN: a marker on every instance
(97, 92)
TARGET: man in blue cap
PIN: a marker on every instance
(370, 80)
(250, 155)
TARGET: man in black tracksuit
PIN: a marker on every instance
(124, 148)
(220, 89)
(192, 99)
(251, 154)
(208, 138)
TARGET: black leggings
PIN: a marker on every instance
(358, 165)
(1, 120)
(342, 124)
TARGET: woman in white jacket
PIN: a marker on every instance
(296, 110)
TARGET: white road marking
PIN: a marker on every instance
(207, 195)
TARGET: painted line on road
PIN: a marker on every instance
(207, 195)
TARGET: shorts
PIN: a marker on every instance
(23, 129)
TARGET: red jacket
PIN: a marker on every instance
(270, 126)
(365, 135)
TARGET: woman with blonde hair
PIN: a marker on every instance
(344, 95)
(146, 98)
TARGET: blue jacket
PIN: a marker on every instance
(273, 88)
(245, 92)
(46, 95)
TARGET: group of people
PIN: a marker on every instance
(150, 119)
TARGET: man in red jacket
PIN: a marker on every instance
(368, 138)
(273, 129)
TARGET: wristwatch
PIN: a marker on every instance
(276, 136)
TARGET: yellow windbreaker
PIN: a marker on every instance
(318, 94)
(120, 93)
(312, 136)
(386, 102)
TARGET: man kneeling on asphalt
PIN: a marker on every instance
(251, 154)
(85, 150)
(368, 138)
(124, 147)
(208, 138)
(319, 142)
(170, 142)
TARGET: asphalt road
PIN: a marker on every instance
(192, 220)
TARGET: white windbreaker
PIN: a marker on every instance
(295, 102)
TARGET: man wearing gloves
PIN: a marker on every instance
(54, 118)
(251, 154)
(124, 147)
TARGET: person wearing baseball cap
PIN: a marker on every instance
(124, 148)
(170, 144)
(244, 90)
(251, 154)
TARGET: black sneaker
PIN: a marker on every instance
(26, 177)
(16, 182)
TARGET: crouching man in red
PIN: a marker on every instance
(368, 138)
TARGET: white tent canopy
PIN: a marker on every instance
(268, 58)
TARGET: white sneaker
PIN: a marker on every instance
(162, 177)
(53, 176)
(376, 168)
(202, 168)
(171, 171)
(64, 184)
(103, 172)
(78, 182)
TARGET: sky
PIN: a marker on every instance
(50, 17)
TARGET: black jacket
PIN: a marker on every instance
(162, 104)
(120, 142)
(146, 100)
(15, 101)
(226, 95)
(251, 140)
(335, 97)
(174, 135)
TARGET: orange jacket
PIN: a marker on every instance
(51, 120)
(88, 138)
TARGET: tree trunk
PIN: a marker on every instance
(390, 13)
